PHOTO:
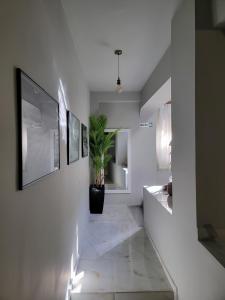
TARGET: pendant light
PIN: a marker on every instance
(119, 87)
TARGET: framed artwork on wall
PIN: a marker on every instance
(73, 138)
(84, 135)
(38, 131)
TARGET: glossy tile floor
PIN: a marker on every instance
(119, 262)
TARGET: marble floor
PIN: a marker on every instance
(119, 261)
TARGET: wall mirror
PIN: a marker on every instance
(117, 172)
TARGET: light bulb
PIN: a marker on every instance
(119, 88)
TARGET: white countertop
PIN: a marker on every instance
(161, 196)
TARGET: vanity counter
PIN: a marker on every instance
(161, 196)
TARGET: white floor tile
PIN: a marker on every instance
(98, 276)
(144, 296)
(93, 296)
(119, 257)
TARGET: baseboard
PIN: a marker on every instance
(169, 277)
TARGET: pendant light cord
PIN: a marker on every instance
(118, 67)
(118, 52)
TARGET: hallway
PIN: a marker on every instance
(112, 150)
(119, 259)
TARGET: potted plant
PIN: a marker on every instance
(100, 143)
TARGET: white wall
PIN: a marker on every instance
(125, 114)
(159, 76)
(195, 271)
(40, 225)
(156, 101)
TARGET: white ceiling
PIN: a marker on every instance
(141, 28)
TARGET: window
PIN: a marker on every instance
(164, 137)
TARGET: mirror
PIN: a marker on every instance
(117, 173)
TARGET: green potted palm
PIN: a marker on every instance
(100, 143)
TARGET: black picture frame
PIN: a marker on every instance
(84, 136)
(31, 98)
(73, 138)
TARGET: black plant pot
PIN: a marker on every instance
(96, 198)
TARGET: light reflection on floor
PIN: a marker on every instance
(118, 256)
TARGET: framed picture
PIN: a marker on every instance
(73, 138)
(84, 135)
(38, 131)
